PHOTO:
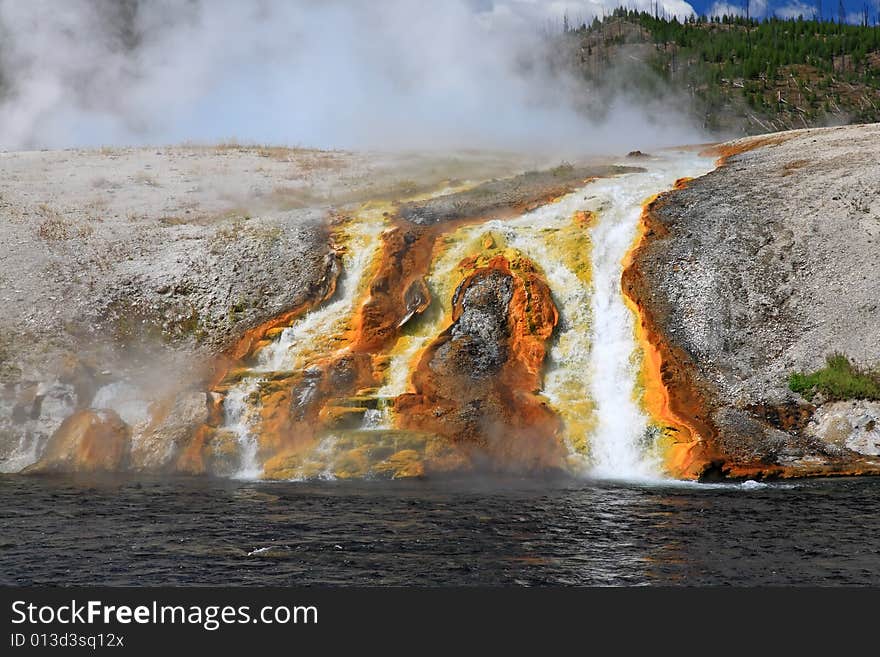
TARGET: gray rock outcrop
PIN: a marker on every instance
(763, 268)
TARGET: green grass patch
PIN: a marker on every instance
(838, 380)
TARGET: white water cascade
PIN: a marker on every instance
(239, 416)
(593, 360)
(619, 446)
(318, 332)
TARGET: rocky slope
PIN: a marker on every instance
(124, 272)
(150, 297)
(760, 269)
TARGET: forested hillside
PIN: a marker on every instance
(739, 75)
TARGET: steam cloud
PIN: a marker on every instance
(331, 73)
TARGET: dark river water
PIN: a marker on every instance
(204, 531)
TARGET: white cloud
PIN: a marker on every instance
(858, 18)
(725, 9)
(795, 9)
(757, 9)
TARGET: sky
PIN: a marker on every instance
(553, 9)
(788, 8)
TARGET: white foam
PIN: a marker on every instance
(622, 446)
(240, 414)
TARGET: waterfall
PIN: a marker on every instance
(578, 243)
(618, 445)
(621, 446)
(239, 416)
(316, 334)
(320, 330)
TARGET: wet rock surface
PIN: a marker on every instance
(475, 385)
(478, 341)
(87, 441)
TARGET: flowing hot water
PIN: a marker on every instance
(621, 446)
(579, 243)
(318, 332)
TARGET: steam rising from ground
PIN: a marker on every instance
(336, 73)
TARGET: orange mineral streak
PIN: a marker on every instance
(533, 317)
(584, 219)
(729, 149)
(87, 441)
(851, 468)
(398, 291)
(192, 458)
(681, 183)
(256, 337)
(668, 393)
(297, 408)
(496, 418)
(294, 409)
